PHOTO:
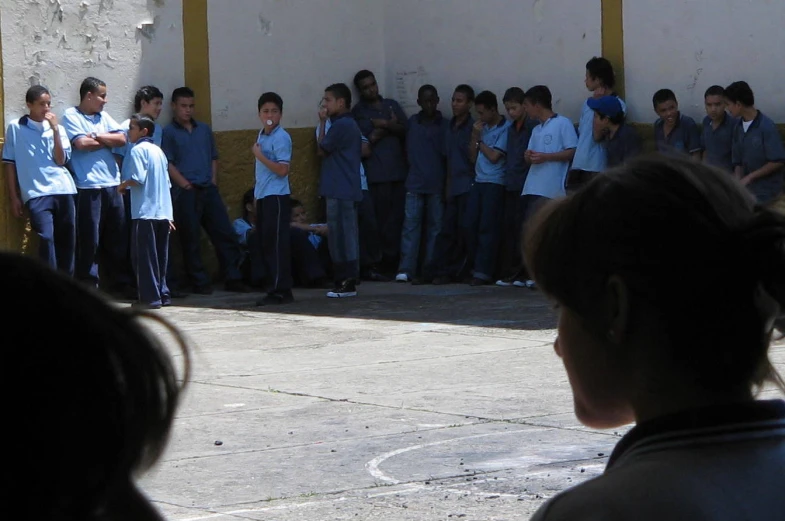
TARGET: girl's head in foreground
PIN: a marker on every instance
(91, 392)
(668, 279)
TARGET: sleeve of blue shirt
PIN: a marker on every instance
(333, 139)
(134, 166)
(501, 142)
(692, 136)
(241, 229)
(121, 151)
(568, 136)
(283, 148)
(772, 145)
(9, 148)
(366, 127)
(213, 148)
(73, 127)
(112, 126)
(61, 133)
(736, 145)
(169, 146)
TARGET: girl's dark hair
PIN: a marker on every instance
(691, 244)
(601, 69)
(35, 92)
(147, 94)
(95, 397)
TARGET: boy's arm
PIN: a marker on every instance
(694, 141)
(474, 139)
(775, 155)
(115, 136)
(214, 153)
(13, 189)
(397, 124)
(78, 136)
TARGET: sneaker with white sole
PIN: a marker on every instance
(346, 289)
(530, 284)
(402, 277)
(519, 284)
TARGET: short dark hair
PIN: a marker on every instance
(740, 91)
(182, 92)
(618, 119)
(361, 75)
(540, 95)
(487, 99)
(341, 91)
(89, 85)
(714, 90)
(248, 198)
(514, 95)
(35, 92)
(425, 88)
(144, 123)
(147, 94)
(601, 69)
(663, 95)
(270, 97)
(466, 90)
(295, 203)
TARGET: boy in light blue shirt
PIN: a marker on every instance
(273, 153)
(35, 152)
(100, 209)
(488, 152)
(551, 148)
(146, 174)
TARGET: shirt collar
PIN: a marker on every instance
(333, 119)
(25, 121)
(276, 129)
(713, 417)
(437, 118)
(145, 139)
(500, 125)
(468, 121)
(177, 124)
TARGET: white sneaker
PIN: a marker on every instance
(504, 283)
(402, 277)
(530, 284)
(520, 284)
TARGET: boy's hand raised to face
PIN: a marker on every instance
(477, 128)
(51, 117)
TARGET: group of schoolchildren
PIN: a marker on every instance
(426, 200)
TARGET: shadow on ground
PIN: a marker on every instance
(457, 304)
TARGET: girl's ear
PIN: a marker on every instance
(617, 309)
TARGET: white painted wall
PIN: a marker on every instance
(294, 47)
(57, 43)
(490, 44)
(690, 45)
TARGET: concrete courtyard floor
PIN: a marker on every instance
(406, 403)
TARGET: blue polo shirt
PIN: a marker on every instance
(425, 148)
(684, 138)
(761, 144)
(92, 169)
(718, 143)
(191, 152)
(125, 125)
(363, 179)
(147, 165)
(387, 162)
(496, 138)
(342, 145)
(277, 147)
(459, 168)
(623, 146)
(29, 146)
(517, 142)
(547, 179)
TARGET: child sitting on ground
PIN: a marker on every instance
(310, 254)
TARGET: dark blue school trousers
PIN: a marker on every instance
(101, 227)
(202, 206)
(484, 217)
(149, 257)
(451, 244)
(273, 218)
(53, 219)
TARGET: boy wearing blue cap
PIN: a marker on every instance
(622, 141)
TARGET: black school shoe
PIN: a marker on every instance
(276, 298)
(346, 289)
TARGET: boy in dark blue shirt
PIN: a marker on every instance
(425, 137)
(673, 131)
(717, 135)
(383, 122)
(341, 187)
(622, 141)
(758, 153)
(518, 136)
(452, 241)
(193, 169)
